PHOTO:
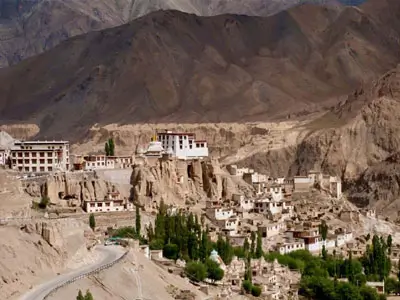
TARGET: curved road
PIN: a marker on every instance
(109, 255)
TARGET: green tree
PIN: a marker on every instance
(398, 270)
(368, 293)
(246, 285)
(156, 244)
(203, 249)
(390, 285)
(111, 146)
(137, 220)
(80, 296)
(214, 272)
(92, 221)
(259, 250)
(171, 251)
(389, 242)
(196, 271)
(246, 245)
(324, 253)
(255, 290)
(323, 229)
(253, 243)
(88, 295)
(107, 149)
(347, 291)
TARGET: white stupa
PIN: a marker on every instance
(155, 148)
(215, 257)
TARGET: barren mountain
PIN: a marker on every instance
(170, 66)
(29, 27)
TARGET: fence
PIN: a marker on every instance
(99, 269)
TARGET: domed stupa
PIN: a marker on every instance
(155, 148)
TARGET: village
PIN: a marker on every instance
(287, 213)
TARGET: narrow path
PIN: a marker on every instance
(109, 254)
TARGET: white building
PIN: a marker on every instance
(271, 229)
(230, 225)
(219, 213)
(276, 192)
(155, 149)
(235, 171)
(290, 246)
(4, 154)
(244, 203)
(40, 156)
(183, 145)
(112, 202)
(335, 185)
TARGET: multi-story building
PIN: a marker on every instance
(40, 156)
(183, 145)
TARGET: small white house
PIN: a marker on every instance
(291, 246)
(219, 213)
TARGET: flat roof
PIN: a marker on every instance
(40, 142)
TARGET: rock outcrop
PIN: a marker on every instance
(40, 249)
(69, 189)
(179, 182)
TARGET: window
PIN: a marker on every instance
(20, 161)
(100, 204)
(33, 154)
(92, 205)
(50, 161)
(41, 169)
(14, 154)
(41, 154)
(34, 169)
(26, 161)
(14, 161)
(41, 161)
(19, 154)
(50, 169)
(107, 204)
(26, 169)
(26, 154)
(34, 161)
(49, 154)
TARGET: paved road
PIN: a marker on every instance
(109, 254)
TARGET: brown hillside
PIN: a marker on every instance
(171, 66)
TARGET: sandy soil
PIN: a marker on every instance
(123, 281)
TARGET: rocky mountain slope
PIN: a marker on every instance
(170, 66)
(38, 250)
(29, 27)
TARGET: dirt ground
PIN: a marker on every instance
(135, 278)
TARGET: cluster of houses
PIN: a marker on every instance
(275, 215)
(277, 281)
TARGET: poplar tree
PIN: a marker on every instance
(92, 221)
(138, 225)
(253, 243)
(259, 251)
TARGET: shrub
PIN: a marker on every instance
(44, 202)
(214, 272)
(156, 244)
(246, 285)
(171, 251)
(255, 291)
(196, 271)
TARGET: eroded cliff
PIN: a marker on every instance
(182, 182)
